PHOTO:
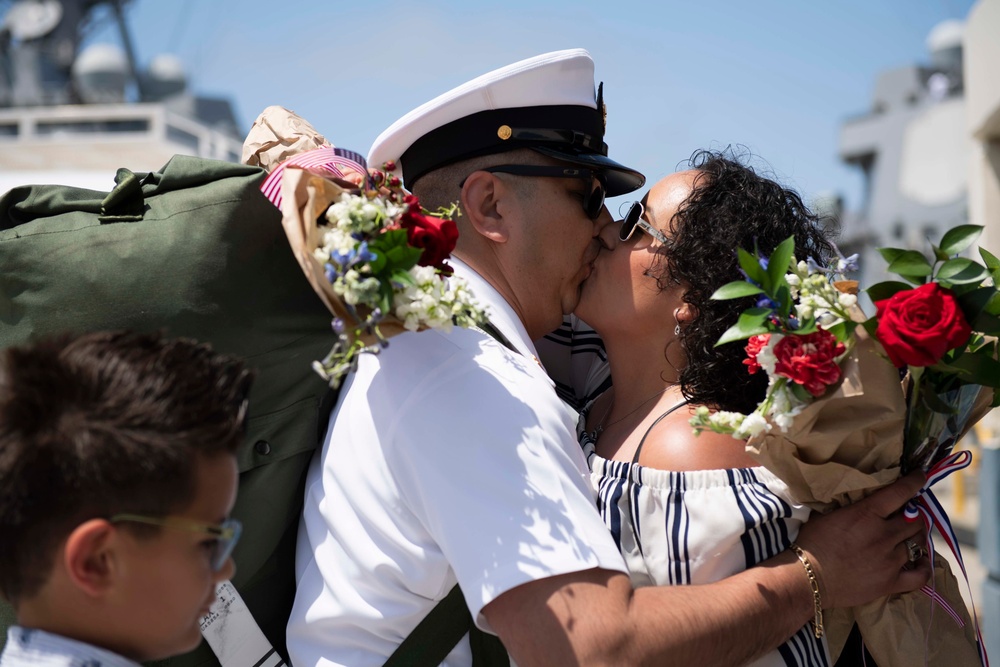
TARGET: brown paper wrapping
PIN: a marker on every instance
(277, 135)
(838, 450)
(847, 444)
(910, 629)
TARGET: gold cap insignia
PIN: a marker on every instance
(504, 132)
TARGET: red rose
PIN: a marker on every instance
(412, 203)
(753, 348)
(917, 326)
(809, 360)
(436, 236)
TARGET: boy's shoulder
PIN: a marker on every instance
(37, 648)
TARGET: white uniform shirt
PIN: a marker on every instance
(448, 458)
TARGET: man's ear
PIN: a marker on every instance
(481, 196)
(90, 556)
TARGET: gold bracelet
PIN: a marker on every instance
(814, 583)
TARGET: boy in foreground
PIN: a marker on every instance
(117, 475)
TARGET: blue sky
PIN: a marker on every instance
(777, 77)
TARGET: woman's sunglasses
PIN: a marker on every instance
(593, 202)
(634, 219)
(226, 534)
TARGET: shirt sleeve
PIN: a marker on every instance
(485, 454)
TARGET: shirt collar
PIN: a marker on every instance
(38, 648)
(499, 312)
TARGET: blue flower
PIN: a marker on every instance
(331, 272)
(813, 266)
(763, 262)
(845, 264)
(767, 302)
(364, 254)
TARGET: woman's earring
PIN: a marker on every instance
(677, 327)
(677, 330)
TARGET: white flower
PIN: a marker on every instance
(766, 357)
(783, 421)
(847, 300)
(753, 424)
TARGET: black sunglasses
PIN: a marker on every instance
(634, 219)
(593, 202)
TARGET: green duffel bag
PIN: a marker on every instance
(194, 250)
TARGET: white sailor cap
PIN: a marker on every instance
(546, 103)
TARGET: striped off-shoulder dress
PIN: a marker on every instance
(697, 527)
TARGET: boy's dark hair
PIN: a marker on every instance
(102, 423)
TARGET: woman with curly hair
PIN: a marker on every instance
(686, 509)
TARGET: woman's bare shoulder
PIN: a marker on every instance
(673, 445)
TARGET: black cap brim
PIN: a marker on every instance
(621, 180)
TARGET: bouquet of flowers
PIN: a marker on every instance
(375, 257)
(838, 421)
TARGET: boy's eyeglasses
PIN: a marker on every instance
(593, 202)
(634, 219)
(227, 533)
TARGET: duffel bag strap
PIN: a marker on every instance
(125, 203)
(440, 631)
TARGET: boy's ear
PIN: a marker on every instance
(90, 556)
(481, 195)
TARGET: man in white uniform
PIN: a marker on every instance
(449, 457)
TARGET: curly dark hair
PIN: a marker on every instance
(730, 207)
(103, 423)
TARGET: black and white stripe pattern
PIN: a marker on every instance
(696, 527)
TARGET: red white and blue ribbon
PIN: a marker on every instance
(328, 161)
(927, 507)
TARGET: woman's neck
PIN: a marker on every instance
(642, 378)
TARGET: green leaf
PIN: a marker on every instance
(751, 323)
(962, 271)
(402, 278)
(884, 290)
(780, 260)
(784, 299)
(807, 327)
(385, 297)
(993, 307)
(751, 266)
(800, 392)
(986, 323)
(939, 255)
(974, 302)
(843, 330)
(402, 258)
(957, 239)
(871, 326)
(979, 368)
(992, 263)
(910, 264)
(736, 290)
(890, 254)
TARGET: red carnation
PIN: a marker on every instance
(809, 360)
(753, 348)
